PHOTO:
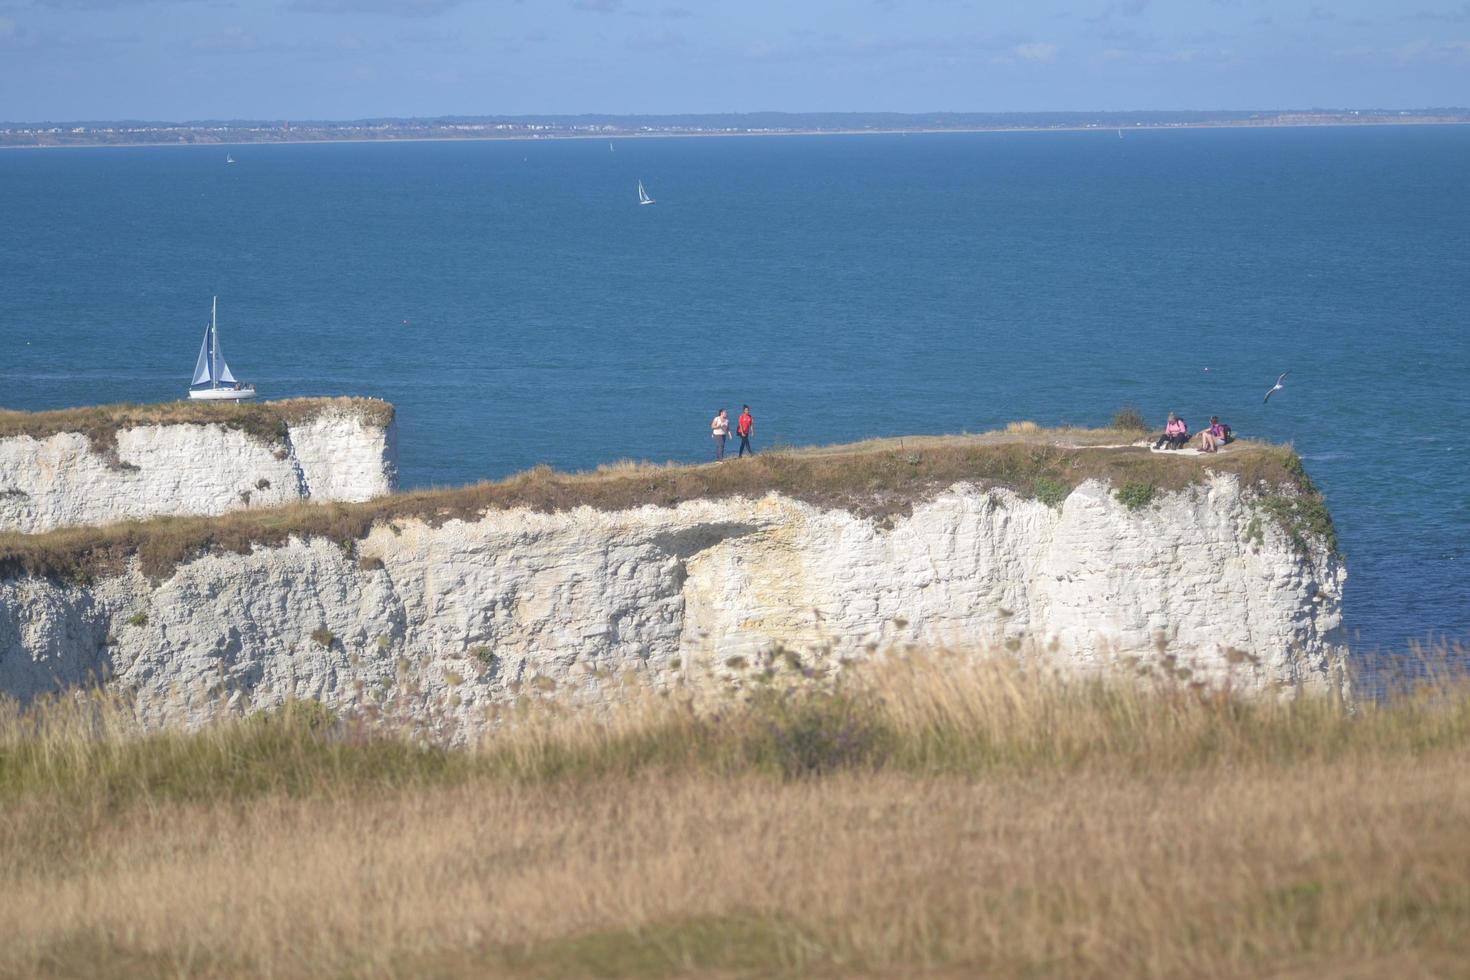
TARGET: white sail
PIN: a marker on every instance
(201, 367)
(221, 369)
(643, 197)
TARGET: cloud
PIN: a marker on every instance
(17, 37)
(1175, 56)
(656, 41)
(1418, 52)
(393, 8)
(807, 47)
(232, 40)
(1119, 8)
(237, 40)
(1458, 15)
(1037, 51)
(1422, 51)
(106, 4)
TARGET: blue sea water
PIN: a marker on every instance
(519, 307)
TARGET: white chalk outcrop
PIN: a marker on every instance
(445, 622)
(188, 468)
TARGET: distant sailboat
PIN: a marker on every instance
(610, 148)
(643, 197)
(229, 159)
(1120, 134)
(212, 377)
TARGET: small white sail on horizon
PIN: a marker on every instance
(643, 197)
(229, 159)
(210, 369)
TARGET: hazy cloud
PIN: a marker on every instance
(237, 40)
(805, 46)
(1119, 8)
(233, 40)
(113, 4)
(656, 41)
(1459, 15)
(1036, 51)
(394, 8)
(1429, 51)
(1173, 56)
(15, 36)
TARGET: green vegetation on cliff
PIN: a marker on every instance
(266, 421)
(878, 479)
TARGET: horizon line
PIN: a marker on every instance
(948, 114)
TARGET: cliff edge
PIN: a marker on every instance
(121, 462)
(445, 605)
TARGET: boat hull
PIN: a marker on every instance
(223, 394)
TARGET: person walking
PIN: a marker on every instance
(743, 428)
(719, 429)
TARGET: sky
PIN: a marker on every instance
(63, 60)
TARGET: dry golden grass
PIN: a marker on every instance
(879, 478)
(266, 420)
(995, 821)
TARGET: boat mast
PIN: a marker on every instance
(214, 345)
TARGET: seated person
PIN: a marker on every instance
(1217, 435)
(1176, 434)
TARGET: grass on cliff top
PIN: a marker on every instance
(944, 815)
(265, 420)
(880, 478)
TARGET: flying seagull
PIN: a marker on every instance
(1276, 387)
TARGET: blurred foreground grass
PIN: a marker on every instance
(949, 815)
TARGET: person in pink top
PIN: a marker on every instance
(1176, 434)
(1217, 435)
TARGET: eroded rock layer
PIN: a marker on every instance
(335, 449)
(444, 622)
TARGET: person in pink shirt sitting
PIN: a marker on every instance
(1176, 434)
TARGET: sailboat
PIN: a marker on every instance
(643, 197)
(1120, 134)
(212, 377)
(229, 159)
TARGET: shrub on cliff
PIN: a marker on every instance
(1130, 419)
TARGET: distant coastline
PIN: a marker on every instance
(242, 132)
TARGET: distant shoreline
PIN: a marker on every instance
(476, 137)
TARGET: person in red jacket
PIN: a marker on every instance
(743, 428)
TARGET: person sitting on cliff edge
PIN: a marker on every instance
(1176, 434)
(1217, 435)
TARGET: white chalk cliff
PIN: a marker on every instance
(62, 480)
(442, 623)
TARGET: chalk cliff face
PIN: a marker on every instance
(441, 623)
(62, 480)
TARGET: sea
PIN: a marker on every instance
(519, 307)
